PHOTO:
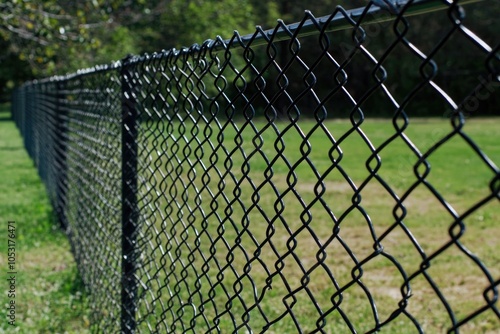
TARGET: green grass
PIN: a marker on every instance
(229, 198)
(230, 205)
(49, 293)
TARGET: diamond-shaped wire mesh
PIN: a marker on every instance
(285, 181)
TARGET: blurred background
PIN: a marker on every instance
(42, 38)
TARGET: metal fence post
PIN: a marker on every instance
(129, 200)
(28, 119)
(60, 155)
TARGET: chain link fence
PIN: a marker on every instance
(281, 182)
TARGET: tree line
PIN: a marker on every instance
(40, 38)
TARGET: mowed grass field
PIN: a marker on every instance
(283, 219)
(49, 295)
(264, 225)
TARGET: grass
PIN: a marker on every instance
(241, 225)
(49, 292)
(222, 207)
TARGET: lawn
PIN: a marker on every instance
(252, 224)
(242, 213)
(49, 295)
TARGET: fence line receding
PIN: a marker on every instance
(329, 176)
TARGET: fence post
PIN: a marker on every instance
(60, 154)
(28, 119)
(129, 200)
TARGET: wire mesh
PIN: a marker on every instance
(282, 182)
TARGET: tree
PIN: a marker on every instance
(42, 38)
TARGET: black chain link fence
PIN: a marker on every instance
(282, 182)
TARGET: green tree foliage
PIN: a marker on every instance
(35, 36)
(44, 37)
(41, 38)
(182, 23)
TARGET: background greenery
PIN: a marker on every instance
(49, 293)
(43, 38)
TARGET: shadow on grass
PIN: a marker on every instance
(10, 148)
